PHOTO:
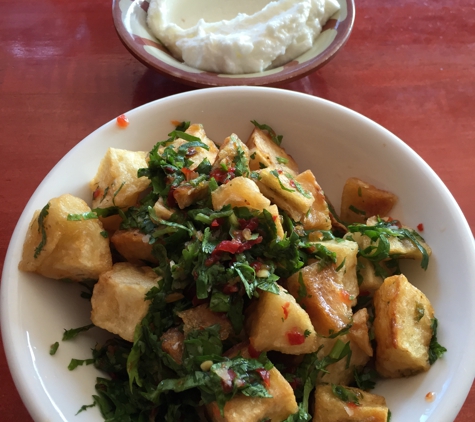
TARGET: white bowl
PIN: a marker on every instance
(333, 141)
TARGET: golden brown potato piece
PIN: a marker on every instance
(279, 323)
(329, 407)
(201, 317)
(118, 300)
(402, 328)
(322, 296)
(133, 246)
(274, 211)
(318, 217)
(361, 200)
(195, 154)
(359, 331)
(186, 194)
(280, 187)
(231, 148)
(163, 211)
(341, 372)
(173, 343)
(256, 409)
(346, 259)
(264, 152)
(399, 247)
(75, 250)
(239, 192)
(370, 282)
(116, 182)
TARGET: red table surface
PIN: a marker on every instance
(409, 65)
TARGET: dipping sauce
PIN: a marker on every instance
(234, 37)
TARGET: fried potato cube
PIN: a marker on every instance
(318, 217)
(187, 194)
(402, 328)
(195, 154)
(274, 211)
(279, 323)
(346, 260)
(359, 331)
(202, 317)
(256, 409)
(399, 247)
(239, 192)
(361, 200)
(264, 152)
(281, 189)
(231, 152)
(370, 282)
(163, 211)
(323, 297)
(133, 246)
(329, 407)
(57, 248)
(116, 181)
(342, 371)
(173, 343)
(118, 299)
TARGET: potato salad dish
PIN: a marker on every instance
(232, 288)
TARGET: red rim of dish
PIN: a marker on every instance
(290, 71)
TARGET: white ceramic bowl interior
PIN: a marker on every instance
(335, 143)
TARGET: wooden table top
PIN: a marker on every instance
(409, 65)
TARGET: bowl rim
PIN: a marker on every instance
(290, 71)
(8, 292)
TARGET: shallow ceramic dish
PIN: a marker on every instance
(130, 23)
(333, 141)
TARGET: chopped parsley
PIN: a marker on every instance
(41, 229)
(53, 348)
(277, 139)
(435, 349)
(379, 235)
(346, 395)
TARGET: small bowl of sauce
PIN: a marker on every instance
(223, 42)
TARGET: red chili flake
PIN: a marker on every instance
(230, 288)
(122, 121)
(292, 183)
(215, 223)
(295, 383)
(190, 151)
(345, 296)
(211, 260)
(231, 246)
(256, 265)
(285, 308)
(279, 171)
(223, 176)
(352, 405)
(97, 193)
(295, 337)
(227, 381)
(171, 201)
(235, 246)
(265, 375)
(274, 217)
(420, 227)
(251, 224)
(189, 174)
